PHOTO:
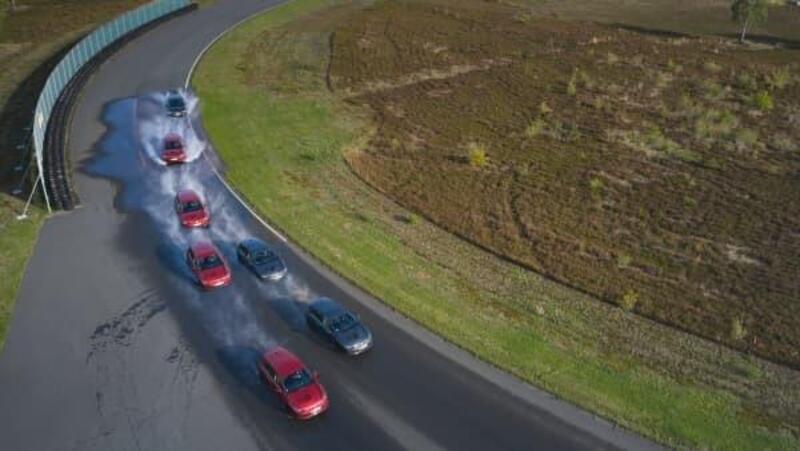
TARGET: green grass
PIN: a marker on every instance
(283, 153)
(17, 239)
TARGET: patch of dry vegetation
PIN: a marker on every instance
(671, 155)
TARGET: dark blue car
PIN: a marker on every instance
(340, 326)
(261, 259)
(175, 105)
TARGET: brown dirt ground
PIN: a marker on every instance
(635, 167)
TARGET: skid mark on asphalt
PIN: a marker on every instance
(122, 329)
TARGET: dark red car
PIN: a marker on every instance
(173, 152)
(208, 265)
(191, 210)
(298, 387)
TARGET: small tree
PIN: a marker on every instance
(749, 13)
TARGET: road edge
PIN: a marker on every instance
(597, 426)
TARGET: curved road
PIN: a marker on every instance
(112, 348)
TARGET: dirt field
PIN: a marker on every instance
(659, 173)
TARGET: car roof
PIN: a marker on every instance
(188, 195)
(254, 244)
(282, 361)
(203, 248)
(328, 307)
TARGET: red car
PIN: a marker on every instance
(191, 210)
(298, 388)
(208, 265)
(173, 152)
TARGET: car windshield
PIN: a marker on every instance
(263, 256)
(172, 144)
(192, 205)
(209, 262)
(342, 322)
(175, 103)
(297, 380)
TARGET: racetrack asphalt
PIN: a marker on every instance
(113, 348)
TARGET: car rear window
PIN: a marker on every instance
(209, 262)
(192, 205)
(171, 144)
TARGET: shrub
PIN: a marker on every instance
(599, 103)
(596, 186)
(746, 137)
(612, 58)
(572, 89)
(412, 219)
(535, 128)
(477, 155)
(568, 132)
(628, 300)
(763, 101)
(544, 108)
(712, 90)
(784, 143)
(624, 261)
(715, 123)
(662, 80)
(746, 82)
(779, 78)
(738, 331)
(674, 67)
(585, 79)
(711, 66)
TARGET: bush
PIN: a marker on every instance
(763, 101)
(738, 331)
(612, 58)
(674, 67)
(746, 82)
(624, 261)
(712, 90)
(535, 128)
(572, 89)
(586, 80)
(746, 137)
(714, 123)
(628, 300)
(784, 143)
(779, 78)
(712, 67)
(596, 186)
(477, 155)
(544, 109)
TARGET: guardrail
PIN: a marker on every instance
(65, 72)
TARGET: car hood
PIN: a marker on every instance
(352, 336)
(307, 397)
(270, 267)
